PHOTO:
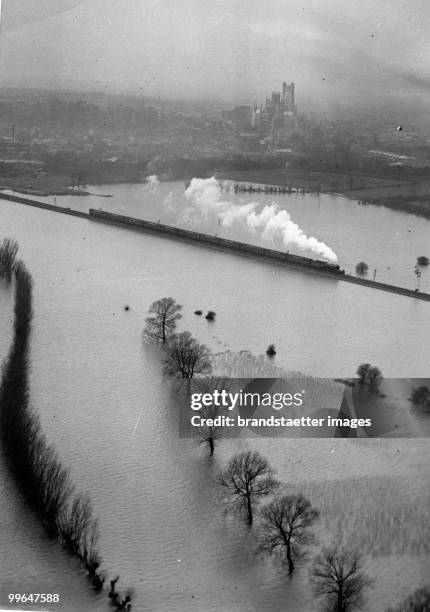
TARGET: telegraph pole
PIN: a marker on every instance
(417, 272)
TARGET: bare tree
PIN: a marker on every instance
(361, 267)
(185, 357)
(369, 374)
(285, 524)
(374, 376)
(115, 597)
(51, 484)
(208, 434)
(337, 575)
(73, 522)
(362, 370)
(246, 478)
(8, 250)
(91, 556)
(161, 324)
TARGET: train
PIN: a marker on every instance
(216, 241)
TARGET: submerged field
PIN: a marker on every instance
(104, 404)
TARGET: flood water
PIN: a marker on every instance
(104, 404)
(388, 241)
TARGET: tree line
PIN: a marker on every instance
(8, 252)
(285, 524)
(45, 483)
(184, 356)
(285, 530)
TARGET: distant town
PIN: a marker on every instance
(51, 141)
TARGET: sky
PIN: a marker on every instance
(354, 51)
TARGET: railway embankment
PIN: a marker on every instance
(247, 250)
(44, 205)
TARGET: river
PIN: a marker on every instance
(104, 404)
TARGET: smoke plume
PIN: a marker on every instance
(152, 181)
(271, 223)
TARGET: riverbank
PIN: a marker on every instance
(414, 205)
(41, 186)
(50, 183)
(406, 196)
(309, 180)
